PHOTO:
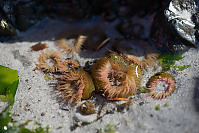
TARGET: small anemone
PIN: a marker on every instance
(115, 78)
(87, 108)
(92, 39)
(43, 65)
(75, 85)
(161, 77)
(75, 47)
(68, 65)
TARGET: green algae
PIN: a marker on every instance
(167, 61)
(143, 89)
(8, 86)
(110, 128)
(157, 107)
(181, 68)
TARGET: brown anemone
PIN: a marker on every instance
(75, 85)
(115, 78)
(68, 65)
(161, 77)
(74, 47)
(43, 65)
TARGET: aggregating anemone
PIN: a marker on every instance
(75, 85)
(74, 47)
(68, 65)
(43, 65)
(161, 77)
(115, 78)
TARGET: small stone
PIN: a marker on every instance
(166, 105)
(6, 29)
(141, 103)
(42, 114)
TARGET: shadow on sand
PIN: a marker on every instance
(196, 95)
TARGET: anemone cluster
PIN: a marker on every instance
(73, 83)
(115, 76)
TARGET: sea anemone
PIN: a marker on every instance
(43, 65)
(75, 85)
(92, 39)
(155, 79)
(68, 65)
(115, 78)
(75, 47)
(87, 108)
(149, 60)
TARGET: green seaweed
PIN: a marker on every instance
(167, 60)
(181, 68)
(143, 89)
(110, 128)
(8, 86)
(60, 127)
(157, 107)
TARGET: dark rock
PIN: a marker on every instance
(130, 30)
(7, 11)
(42, 114)
(175, 26)
(196, 19)
(26, 14)
(6, 29)
(143, 7)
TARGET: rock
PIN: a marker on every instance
(143, 7)
(130, 30)
(180, 14)
(176, 25)
(6, 29)
(26, 15)
(7, 10)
